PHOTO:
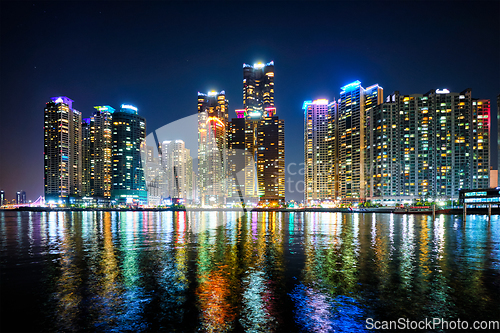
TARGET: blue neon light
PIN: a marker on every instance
(351, 85)
(306, 103)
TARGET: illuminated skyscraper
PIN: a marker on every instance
(258, 88)
(129, 138)
(355, 107)
(86, 158)
(2, 197)
(383, 156)
(100, 147)
(271, 159)
(480, 166)
(498, 134)
(155, 177)
(264, 136)
(21, 197)
(318, 162)
(236, 156)
(178, 166)
(212, 148)
(62, 150)
(429, 146)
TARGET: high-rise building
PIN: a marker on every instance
(236, 156)
(128, 139)
(178, 166)
(258, 88)
(355, 106)
(86, 158)
(155, 177)
(428, 146)
(212, 148)
(264, 136)
(62, 150)
(100, 152)
(498, 135)
(318, 162)
(271, 159)
(21, 197)
(480, 166)
(383, 150)
(2, 197)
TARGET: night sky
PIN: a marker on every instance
(158, 55)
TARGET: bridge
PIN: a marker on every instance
(40, 202)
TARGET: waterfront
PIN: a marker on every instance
(231, 271)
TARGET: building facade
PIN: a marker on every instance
(21, 197)
(100, 135)
(62, 150)
(419, 146)
(128, 144)
(430, 145)
(212, 148)
(354, 123)
(236, 156)
(264, 136)
(178, 167)
(318, 162)
(86, 158)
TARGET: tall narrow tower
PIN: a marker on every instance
(212, 148)
(264, 136)
(101, 146)
(318, 185)
(129, 138)
(62, 150)
(354, 122)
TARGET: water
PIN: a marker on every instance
(253, 272)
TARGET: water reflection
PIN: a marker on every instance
(253, 272)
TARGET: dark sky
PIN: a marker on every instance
(158, 55)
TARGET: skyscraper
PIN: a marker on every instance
(62, 150)
(178, 166)
(155, 177)
(318, 166)
(264, 136)
(129, 138)
(100, 152)
(86, 158)
(258, 88)
(2, 197)
(236, 156)
(429, 145)
(354, 108)
(271, 160)
(21, 197)
(212, 148)
(480, 166)
(498, 135)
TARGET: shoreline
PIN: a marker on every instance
(385, 210)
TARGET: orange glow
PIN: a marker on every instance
(215, 119)
(213, 295)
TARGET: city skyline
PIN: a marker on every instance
(313, 59)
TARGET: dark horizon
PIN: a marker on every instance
(157, 56)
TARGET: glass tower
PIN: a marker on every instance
(264, 136)
(354, 123)
(128, 142)
(212, 148)
(62, 150)
(318, 166)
